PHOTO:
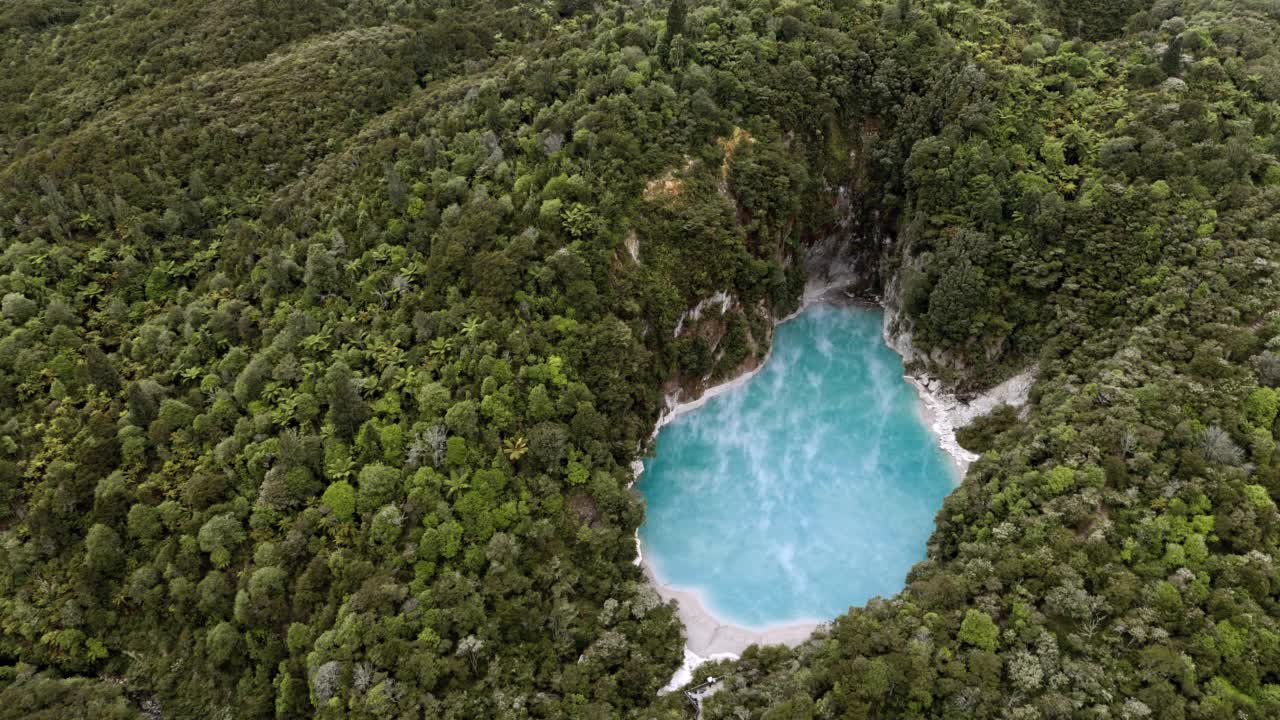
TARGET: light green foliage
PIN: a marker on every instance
(266, 583)
(433, 399)
(144, 522)
(17, 308)
(462, 418)
(455, 454)
(549, 213)
(443, 541)
(391, 438)
(1196, 549)
(577, 473)
(1262, 446)
(340, 498)
(540, 405)
(497, 410)
(1261, 407)
(978, 630)
(1259, 497)
(1059, 480)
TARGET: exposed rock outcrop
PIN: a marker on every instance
(710, 321)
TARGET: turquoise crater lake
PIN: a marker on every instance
(810, 488)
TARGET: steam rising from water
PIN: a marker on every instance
(811, 488)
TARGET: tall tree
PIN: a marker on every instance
(347, 410)
(1171, 61)
(677, 16)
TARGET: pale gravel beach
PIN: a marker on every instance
(706, 635)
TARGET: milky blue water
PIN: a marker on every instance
(809, 489)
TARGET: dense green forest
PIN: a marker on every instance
(329, 331)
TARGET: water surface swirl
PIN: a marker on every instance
(810, 488)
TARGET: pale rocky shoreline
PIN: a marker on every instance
(707, 637)
(944, 413)
(941, 410)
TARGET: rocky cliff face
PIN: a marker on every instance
(848, 254)
(854, 259)
(897, 326)
(840, 259)
(938, 367)
(865, 262)
(712, 320)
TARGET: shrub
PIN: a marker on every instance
(340, 498)
(978, 629)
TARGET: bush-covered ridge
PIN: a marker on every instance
(328, 353)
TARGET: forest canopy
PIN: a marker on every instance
(329, 332)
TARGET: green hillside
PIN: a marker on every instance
(329, 332)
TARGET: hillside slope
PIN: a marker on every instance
(329, 331)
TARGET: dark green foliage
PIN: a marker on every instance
(1092, 19)
(980, 435)
(1171, 58)
(45, 696)
(104, 555)
(677, 15)
(347, 410)
(956, 302)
